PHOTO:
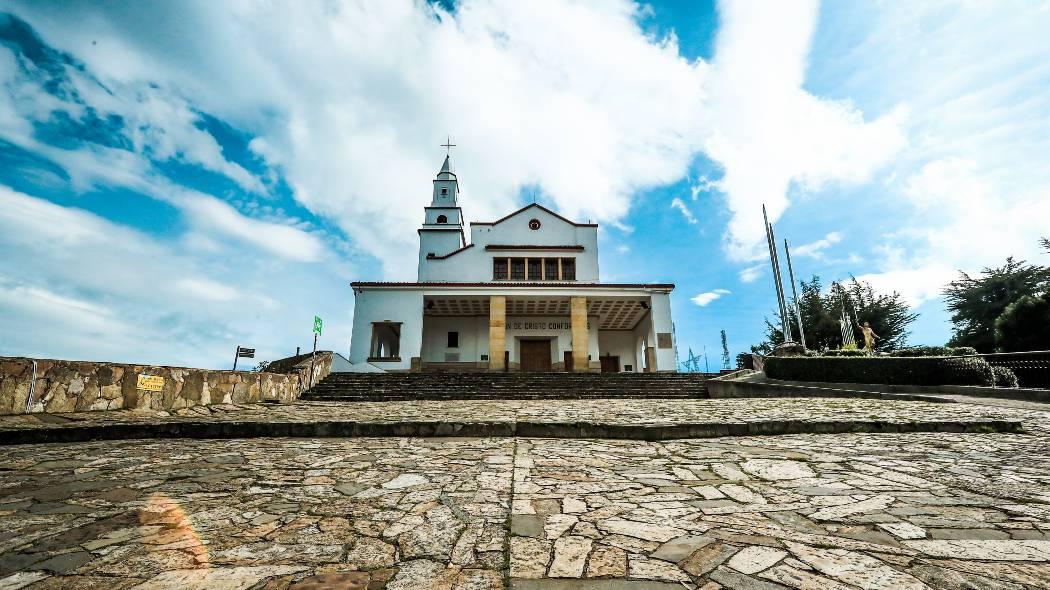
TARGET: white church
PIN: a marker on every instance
(522, 294)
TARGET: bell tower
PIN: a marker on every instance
(442, 232)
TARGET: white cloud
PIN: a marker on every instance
(677, 203)
(74, 285)
(289, 242)
(972, 187)
(350, 100)
(816, 249)
(705, 298)
(751, 273)
(703, 185)
(768, 133)
(207, 289)
(967, 225)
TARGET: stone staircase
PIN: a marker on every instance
(483, 386)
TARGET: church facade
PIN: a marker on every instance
(521, 293)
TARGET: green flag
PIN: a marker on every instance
(317, 325)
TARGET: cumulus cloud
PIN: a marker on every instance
(348, 102)
(973, 226)
(770, 134)
(705, 298)
(971, 188)
(114, 293)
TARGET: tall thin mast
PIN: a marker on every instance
(794, 295)
(771, 242)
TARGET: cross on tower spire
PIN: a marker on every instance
(448, 145)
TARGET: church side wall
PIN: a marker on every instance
(396, 306)
(473, 338)
(621, 343)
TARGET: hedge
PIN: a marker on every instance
(935, 351)
(885, 370)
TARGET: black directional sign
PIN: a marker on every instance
(245, 352)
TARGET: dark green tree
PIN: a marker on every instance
(1024, 325)
(888, 314)
(976, 302)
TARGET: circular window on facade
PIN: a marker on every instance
(534, 224)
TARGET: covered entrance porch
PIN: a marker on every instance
(578, 332)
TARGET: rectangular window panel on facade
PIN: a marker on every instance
(534, 269)
(517, 269)
(453, 339)
(568, 269)
(550, 269)
(499, 269)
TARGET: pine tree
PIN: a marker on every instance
(976, 302)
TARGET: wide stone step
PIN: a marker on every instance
(351, 387)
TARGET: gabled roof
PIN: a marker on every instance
(527, 207)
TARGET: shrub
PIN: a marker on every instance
(846, 352)
(884, 370)
(1004, 377)
(934, 351)
(744, 360)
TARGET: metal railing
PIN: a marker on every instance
(1032, 368)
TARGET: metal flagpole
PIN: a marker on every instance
(794, 295)
(780, 287)
(770, 241)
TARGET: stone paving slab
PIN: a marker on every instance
(805, 511)
(621, 419)
(388, 513)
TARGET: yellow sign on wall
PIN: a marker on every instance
(151, 383)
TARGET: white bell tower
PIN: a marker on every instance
(442, 232)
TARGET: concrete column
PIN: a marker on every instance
(650, 359)
(497, 331)
(663, 333)
(580, 344)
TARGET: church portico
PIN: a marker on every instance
(611, 328)
(522, 295)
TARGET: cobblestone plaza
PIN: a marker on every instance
(808, 511)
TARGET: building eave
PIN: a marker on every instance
(498, 285)
(509, 247)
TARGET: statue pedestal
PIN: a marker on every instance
(789, 349)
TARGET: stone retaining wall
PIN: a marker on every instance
(74, 386)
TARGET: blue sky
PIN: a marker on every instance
(180, 178)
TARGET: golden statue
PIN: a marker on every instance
(869, 336)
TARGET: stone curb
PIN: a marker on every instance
(587, 430)
(743, 388)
